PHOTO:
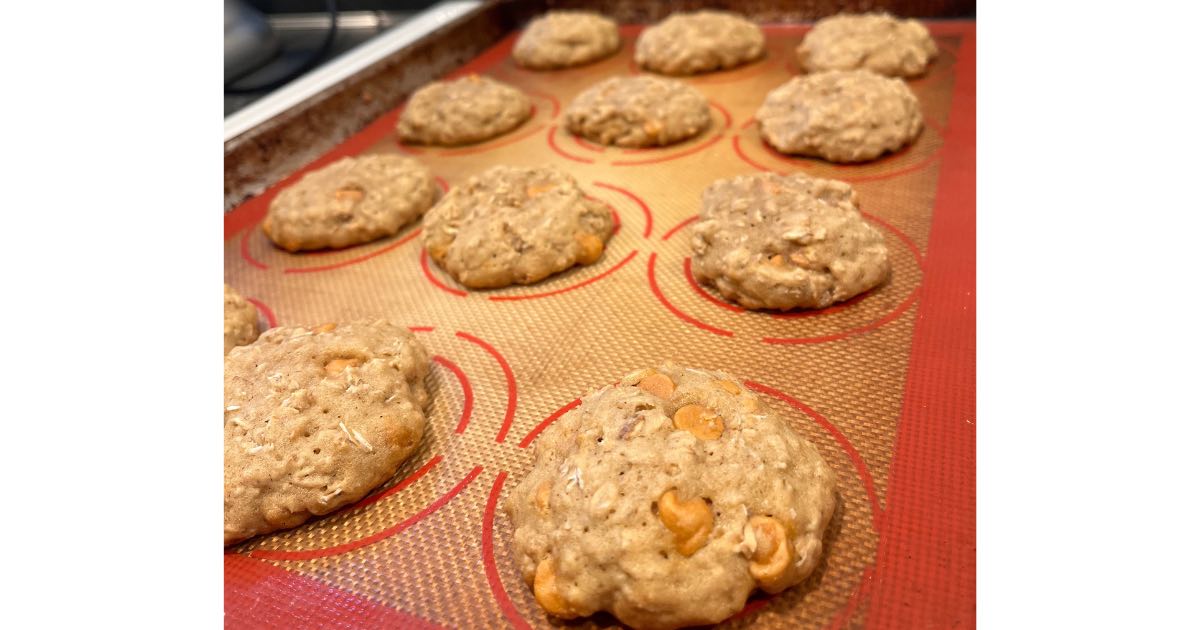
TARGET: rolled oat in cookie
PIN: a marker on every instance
(872, 41)
(840, 116)
(638, 111)
(462, 111)
(691, 43)
(315, 418)
(561, 39)
(351, 201)
(666, 500)
(767, 241)
(513, 225)
(241, 320)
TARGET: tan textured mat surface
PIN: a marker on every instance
(432, 546)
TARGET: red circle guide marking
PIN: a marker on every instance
(433, 279)
(754, 604)
(636, 199)
(675, 311)
(311, 554)
(468, 393)
(265, 310)
(509, 379)
(554, 147)
(354, 261)
(601, 276)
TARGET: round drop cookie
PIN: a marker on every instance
(840, 115)
(315, 418)
(561, 39)
(873, 41)
(638, 111)
(666, 500)
(514, 225)
(767, 241)
(462, 111)
(351, 201)
(241, 320)
(690, 43)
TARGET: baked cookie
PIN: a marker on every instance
(317, 418)
(872, 41)
(666, 500)
(241, 320)
(515, 225)
(840, 115)
(638, 111)
(690, 43)
(352, 201)
(561, 39)
(767, 241)
(462, 111)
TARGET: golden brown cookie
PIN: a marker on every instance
(872, 41)
(668, 499)
(514, 225)
(351, 201)
(638, 111)
(840, 116)
(462, 111)
(562, 39)
(691, 43)
(767, 241)
(315, 418)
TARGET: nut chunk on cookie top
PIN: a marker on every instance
(315, 418)
(514, 225)
(351, 201)
(873, 41)
(666, 500)
(767, 241)
(462, 111)
(840, 116)
(560, 39)
(638, 111)
(690, 43)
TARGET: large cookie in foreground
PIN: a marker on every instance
(513, 225)
(668, 499)
(767, 241)
(317, 418)
(704, 41)
(462, 111)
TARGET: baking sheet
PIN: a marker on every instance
(861, 380)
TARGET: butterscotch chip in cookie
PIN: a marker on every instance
(315, 418)
(767, 241)
(462, 111)
(873, 41)
(351, 201)
(561, 39)
(690, 43)
(665, 526)
(840, 116)
(241, 320)
(514, 225)
(638, 111)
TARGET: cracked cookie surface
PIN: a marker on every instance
(561, 39)
(315, 418)
(638, 111)
(840, 116)
(703, 41)
(513, 225)
(666, 500)
(462, 111)
(766, 241)
(872, 41)
(241, 320)
(351, 201)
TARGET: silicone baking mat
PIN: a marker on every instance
(883, 384)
